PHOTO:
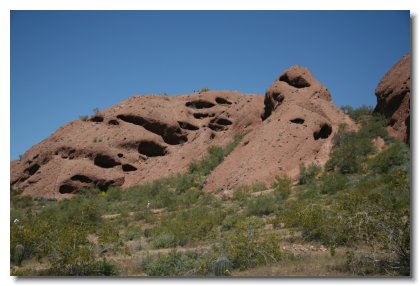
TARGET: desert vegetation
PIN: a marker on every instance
(351, 217)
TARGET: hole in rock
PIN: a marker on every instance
(187, 126)
(67, 189)
(32, 169)
(202, 115)
(103, 185)
(216, 127)
(324, 132)
(271, 101)
(297, 121)
(222, 121)
(199, 104)
(151, 149)
(128, 168)
(392, 122)
(97, 118)
(81, 178)
(113, 122)
(120, 155)
(221, 100)
(170, 134)
(298, 81)
(105, 161)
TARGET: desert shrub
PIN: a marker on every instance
(113, 194)
(258, 187)
(59, 233)
(306, 174)
(358, 114)
(204, 89)
(131, 234)
(331, 183)
(282, 187)
(189, 225)
(231, 220)
(249, 246)
(261, 205)
(395, 156)
(350, 148)
(374, 126)
(83, 117)
(210, 161)
(173, 264)
(241, 193)
(164, 240)
(371, 209)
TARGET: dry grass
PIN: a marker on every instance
(310, 263)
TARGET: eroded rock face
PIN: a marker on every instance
(148, 137)
(298, 123)
(140, 139)
(295, 80)
(393, 98)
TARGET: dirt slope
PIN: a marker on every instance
(147, 137)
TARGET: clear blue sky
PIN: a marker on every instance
(66, 63)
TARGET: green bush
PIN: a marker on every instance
(307, 174)
(189, 225)
(131, 234)
(349, 151)
(59, 233)
(331, 183)
(261, 205)
(249, 246)
(231, 220)
(282, 187)
(174, 264)
(164, 240)
(241, 193)
(395, 156)
(358, 114)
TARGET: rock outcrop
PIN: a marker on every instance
(140, 139)
(299, 122)
(148, 137)
(393, 99)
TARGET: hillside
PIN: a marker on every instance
(221, 184)
(148, 137)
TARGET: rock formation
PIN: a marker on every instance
(299, 121)
(148, 137)
(393, 97)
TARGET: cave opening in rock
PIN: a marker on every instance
(170, 134)
(187, 126)
(32, 169)
(221, 100)
(81, 178)
(128, 168)
(297, 121)
(324, 132)
(97, 118)
(199, 104)
(222, 121)
(202, 115)
(67, 189)
(113, 122)
(298, 81)
(151, 149)
(105, 161)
